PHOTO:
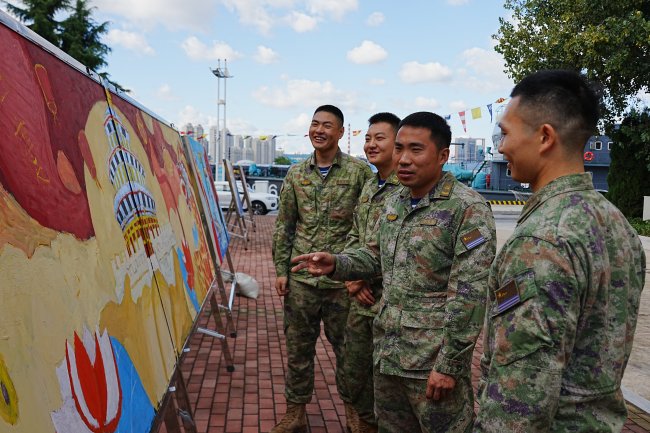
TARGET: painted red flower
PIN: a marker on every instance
(94, 381)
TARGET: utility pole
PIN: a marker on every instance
(348, 138)
(221, 74)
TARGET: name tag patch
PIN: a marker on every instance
(472, 239)
(507, 296)
(429, 222)
(391, 217)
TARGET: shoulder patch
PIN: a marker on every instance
(472, 239)
(391, 217)
(305, 182)
(446, 189)
(507, 296)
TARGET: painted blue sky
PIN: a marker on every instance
(289, 56)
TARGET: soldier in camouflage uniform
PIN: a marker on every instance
(357, 366)
(564, 290)
(317, 200)
(433, 249)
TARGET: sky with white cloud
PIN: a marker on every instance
(286, 57)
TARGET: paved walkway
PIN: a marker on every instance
(251, 399)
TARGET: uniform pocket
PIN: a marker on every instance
(421, 337)
(518, 319)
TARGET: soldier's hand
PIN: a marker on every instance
(317, 264)
(354, 286)
(364, 296)
(281, 286)
(439, 385)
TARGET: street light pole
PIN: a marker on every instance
(221, 74)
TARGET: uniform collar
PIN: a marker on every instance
(561, 185)
(391, 179)
(337, 159)
(442, 190)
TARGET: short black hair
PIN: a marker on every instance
(562, 98)
(385, 117)
(336, 111)
(440, 130)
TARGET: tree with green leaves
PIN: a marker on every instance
(609, 41)
(39, 15)
(81, 36)
(629, 172)
(78, 35)
(282, 160)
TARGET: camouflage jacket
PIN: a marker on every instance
(315, 212)
(366, 224)
(564, 295)
(434, 260)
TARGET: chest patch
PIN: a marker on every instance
(305, 182)
(507, 296)
(472, 239)
(391, 217)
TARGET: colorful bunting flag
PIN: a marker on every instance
(476, 113)
(448, 117)
(461, 114)
(500, 100)
(356, 132)
(489, 107)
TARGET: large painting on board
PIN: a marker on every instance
(103, 257)
(208, 197)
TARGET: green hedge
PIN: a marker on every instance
(642, 227)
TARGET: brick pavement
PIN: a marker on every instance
(251, 399)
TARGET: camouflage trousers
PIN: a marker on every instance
(304, 308)
(401, 405)
(357, 365)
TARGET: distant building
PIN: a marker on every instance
(596, 158)
(467, 149)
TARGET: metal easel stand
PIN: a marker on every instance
(238, 224)
(226, 305)
(175, 407)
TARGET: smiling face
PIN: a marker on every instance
(419, 160)
(519, 143)
(380, 141)
(325, 131)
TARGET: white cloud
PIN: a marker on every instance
(367, 52)
(191, 114)
(172, 14)
(375, 19)
(197, 50)
(300, 22)
(129, 40)
(165, 93)
(265, 55)
(299, 124)
(252, 13)
(415, 72)
(483, 71)
(429, 103)
(457, 2)
(458, 105)
(377, 81)
(334, 8)
(303, 93)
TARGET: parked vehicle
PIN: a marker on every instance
(262, 203)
